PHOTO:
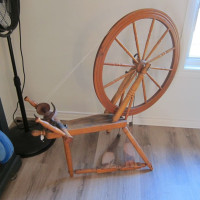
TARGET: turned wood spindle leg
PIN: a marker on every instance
(33, 103)
(68, 157)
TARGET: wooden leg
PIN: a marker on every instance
(137, 147)
(68, 156)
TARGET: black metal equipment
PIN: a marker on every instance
(8, 170)
(24, 143)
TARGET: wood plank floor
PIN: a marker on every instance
(174, 153)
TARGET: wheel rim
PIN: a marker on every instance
(154, 38)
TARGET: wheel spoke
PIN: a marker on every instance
(156, 45)
(136, 40)
(126, 50)
(154, 81)
(118, 65)
(161, 55)
(118, 79)
(142, 56)
(144, 90)
(148, 38)
(156, 68)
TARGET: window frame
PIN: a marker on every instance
(191, 63)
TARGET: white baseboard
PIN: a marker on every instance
(67, 115)
(166, 122)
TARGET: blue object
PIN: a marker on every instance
(6, 148)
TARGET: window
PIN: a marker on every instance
(193, 59)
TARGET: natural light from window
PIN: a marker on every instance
(195, 45)
(193, 58)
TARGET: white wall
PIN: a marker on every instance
(60, 41)
(7, 89)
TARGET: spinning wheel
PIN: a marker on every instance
(134, 66)
(139, 53)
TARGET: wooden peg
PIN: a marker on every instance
(48, 135)
(33, 103)
(63, 128)
(50, 127)
(36, 133)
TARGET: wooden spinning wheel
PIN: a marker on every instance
(134, 66)
(153, 39)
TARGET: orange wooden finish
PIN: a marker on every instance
(146, 56)
(64, 129)
(121, 103)
(137, 147)
(95, 123)
(68, 156)
(33, 103)
(123, 86)
(84, 125)
(41, 108)
(130, 93)
(47, 134)
(50, 127)
(111, 169)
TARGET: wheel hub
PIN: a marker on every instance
(140, 66)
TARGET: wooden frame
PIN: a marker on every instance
(95, 123)
(121, 104)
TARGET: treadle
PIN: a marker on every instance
(110, 169)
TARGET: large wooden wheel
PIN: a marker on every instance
(136, 62)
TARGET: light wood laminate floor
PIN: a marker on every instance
(174, 153)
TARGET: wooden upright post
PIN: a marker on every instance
(68, 156)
